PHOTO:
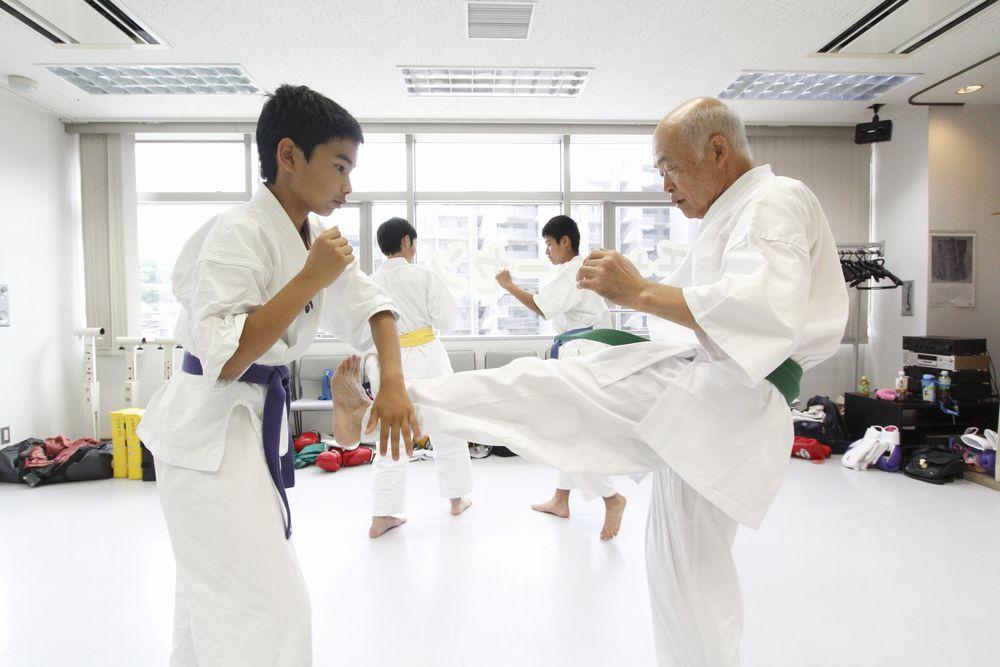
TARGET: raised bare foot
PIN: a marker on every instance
(380, 524)
(459, 505)
(614, 508)
(559, 505)
(350, 402)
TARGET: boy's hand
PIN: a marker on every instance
(504, 279)
(329, 255)
(394, 411)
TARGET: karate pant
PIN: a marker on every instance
(451, 455)
(454, 473)
(240, 597)
(555, 413)
(590, 486)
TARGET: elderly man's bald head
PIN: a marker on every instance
(697, 120)
(700, 149)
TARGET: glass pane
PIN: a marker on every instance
(590, 219)
(189, 167)
(600, 163)
(469, 243)
(481, 166)
(381, 166)
(381, 213)
(656, 239)
(348, 219)
(162, 230)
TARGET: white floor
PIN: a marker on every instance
(860, 569)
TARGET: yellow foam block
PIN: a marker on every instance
(119, 451)
(132, 418)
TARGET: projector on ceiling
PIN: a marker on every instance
(875, 131)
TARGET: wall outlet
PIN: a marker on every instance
(4, 306)
(5, 435)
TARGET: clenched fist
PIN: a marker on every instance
(611, 275)
(329, 256)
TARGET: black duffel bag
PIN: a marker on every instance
(86, 463)
(935, 464)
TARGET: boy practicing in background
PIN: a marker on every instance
(254, 284)
(571, 310)
(424, 304)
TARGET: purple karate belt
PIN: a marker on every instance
(276, 403)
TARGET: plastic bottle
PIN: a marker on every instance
(864, 386)
(902, 386)
(944, 386)
(929, 388)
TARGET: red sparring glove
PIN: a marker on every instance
(305, 439)
(356, 457)
(329, 461)
(810, 449)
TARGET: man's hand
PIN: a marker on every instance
(612, 276)
(504, 279)
(394, 411)
(329, 255)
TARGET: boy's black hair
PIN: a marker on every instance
(390, 235)
(560, 226)
(304, 116)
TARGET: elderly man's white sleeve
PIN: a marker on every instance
(559, 295)
(441, 303)
(753, 316)
(349, 303)
(222, 297)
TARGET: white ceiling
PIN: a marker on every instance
(648, 55)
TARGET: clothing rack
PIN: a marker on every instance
(873, 250)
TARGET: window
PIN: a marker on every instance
(478, 202)
(162, 231)
(381, 164)
(468, 244)
(656, 239)
(506, 164)
(612, 163)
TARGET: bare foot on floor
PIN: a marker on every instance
(559, 505)
(614, 508)
(459, 505)
(349, 403)
(381, 524)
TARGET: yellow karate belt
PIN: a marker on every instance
(417, 337)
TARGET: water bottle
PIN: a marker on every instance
(902, 386)
(929, 388)
(944, 387)
(864, 386)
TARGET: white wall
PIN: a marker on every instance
(964, 167)
(900, 219)
(40, 259)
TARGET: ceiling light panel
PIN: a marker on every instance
(158, 79)
(494, 82)
(827, 86)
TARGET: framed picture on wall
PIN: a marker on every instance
(953, 269)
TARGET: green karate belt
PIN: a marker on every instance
(786, 378)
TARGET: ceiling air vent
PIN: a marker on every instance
(81, 22)
(825, 86)
(901, 27)
(499, 20)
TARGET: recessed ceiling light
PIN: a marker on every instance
(494, 82)
(965, 90)
(158, 79)
(830, 86)
(22, 84)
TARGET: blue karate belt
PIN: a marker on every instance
(276, 402)
(558, 341)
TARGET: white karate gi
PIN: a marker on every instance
(763, 282)
(423, 300)
(240, 599)
(568, 308)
